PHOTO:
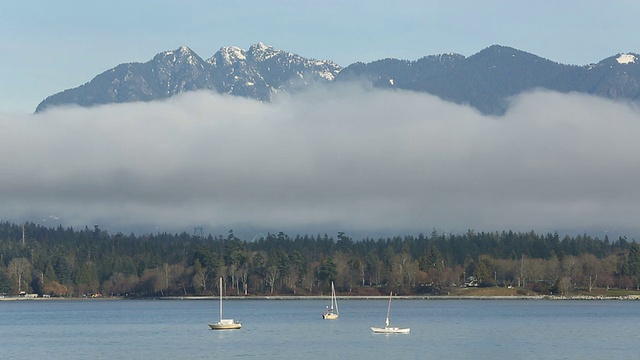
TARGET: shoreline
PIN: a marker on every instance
(409, 297)
(344, 297)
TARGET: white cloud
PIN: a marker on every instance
(354, 159)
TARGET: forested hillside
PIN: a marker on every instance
(67, 262)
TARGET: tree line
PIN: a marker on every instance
(67, 262)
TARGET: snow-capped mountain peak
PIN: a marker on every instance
(228, 55)
(626, 59)
(262, 52)
(257, 73)
(183, 54)
(261, 46)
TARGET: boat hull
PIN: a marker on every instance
(330, 316)
(390, 330)
(218, 326)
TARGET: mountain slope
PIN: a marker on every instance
(485, 80)
(257, 73)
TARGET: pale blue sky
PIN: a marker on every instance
(50, 46)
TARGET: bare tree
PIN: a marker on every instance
(563, 285)
(536, 269)
(361, 267)
(590, 269)
(343, 278)
(505, 270)
(521, 272)
(309, 277)
(244, 275)
(291, 278)
(396, 271)
(232, 270)
(180, 278)
(411, 268)
(610, 265)
(20, 270)
(272, 276)
(163, 278)
(199, 277)
(553, 270)
(569, 265)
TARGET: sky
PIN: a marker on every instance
(357, 160)
(52, 46)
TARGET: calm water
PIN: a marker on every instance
(293, 329)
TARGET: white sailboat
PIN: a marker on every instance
(224, 324)
(332, 312)
(389, 329)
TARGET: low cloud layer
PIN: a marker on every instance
(351, 159)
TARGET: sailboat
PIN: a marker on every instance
(389, 329)
(332, 311)
(224, 324)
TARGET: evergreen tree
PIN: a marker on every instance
(633, 262)
(327, 271)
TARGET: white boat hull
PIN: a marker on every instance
(330, 316)
(225, 326)
(390, 330)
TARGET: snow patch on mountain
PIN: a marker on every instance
(262, 52)
(626, 59)
(229, 55)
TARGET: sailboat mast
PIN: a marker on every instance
(388, 309)
(220, 298)
(334, 303)
(333, 297)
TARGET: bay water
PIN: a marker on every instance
(294, 329)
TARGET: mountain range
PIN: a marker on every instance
(485, 80)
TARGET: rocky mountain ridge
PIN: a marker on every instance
(485, 80)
